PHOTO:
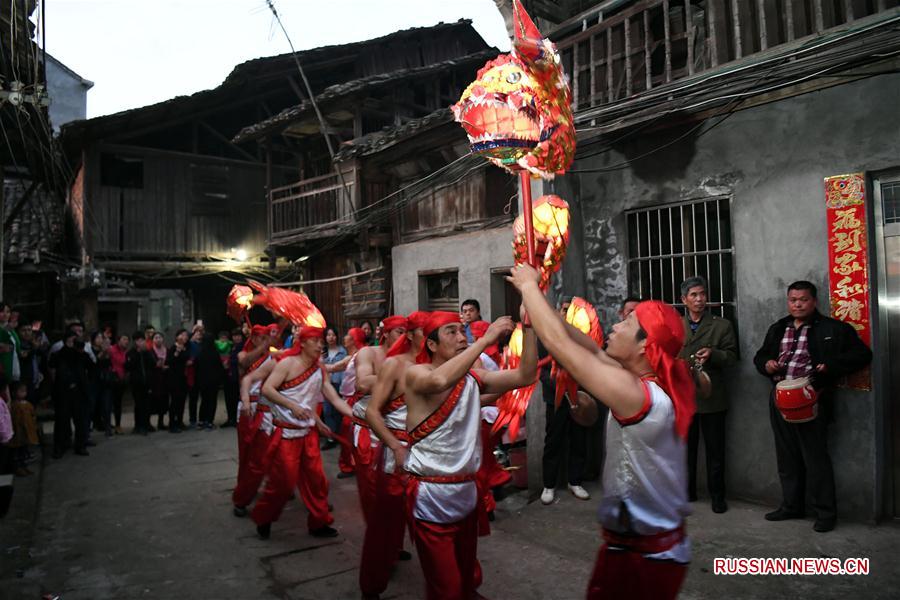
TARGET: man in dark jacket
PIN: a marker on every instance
(69, 367)
(808, 344)
(139, 363)
(709, 342)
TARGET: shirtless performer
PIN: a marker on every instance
(295, 387)
(650, 394)
(367, 364)
(386, 415)
(443, 423)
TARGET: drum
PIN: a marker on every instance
(796, 400)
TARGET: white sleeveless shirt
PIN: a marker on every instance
(305, 394)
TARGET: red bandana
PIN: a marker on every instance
(306, 333)
(258, 331)
(665, 339)
(359, 337)
(391, 323)
(435, 321)
(416, 320)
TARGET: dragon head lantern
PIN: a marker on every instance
(238, 302)
(296, 307)
(517, 112)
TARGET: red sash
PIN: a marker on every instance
(437, 418)
(645, 544)
(286, 385)
(395, 404)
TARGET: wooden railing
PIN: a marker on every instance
(655, 42)
(312, 207)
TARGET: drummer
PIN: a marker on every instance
(807, 344)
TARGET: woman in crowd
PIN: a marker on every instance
(176, 380)
(102, 380)
(118, 355)
(160, 394)
(334, 353)
(370, 333)
(210, 375)
(233, 377)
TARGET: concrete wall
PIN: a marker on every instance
(68, 94)
(473, 254)
(772, 160)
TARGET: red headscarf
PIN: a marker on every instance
(359, 337)
(478, 329)
(416, 320)
(306, 333)
(435, 321)
(259, 330)
(665, 339)
(391, 323)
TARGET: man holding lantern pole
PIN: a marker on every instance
(443, 399)
(650, 393)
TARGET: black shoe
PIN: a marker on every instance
(210, 427)
(324, 532)
(823, 525)
(719, 505)
(239, 511)
(228, 424)
(264, 531)
(404, 555)
(90, 444)
(343, 475)
(82, 452)
(329, 444)
(783, 515)
(491, 516)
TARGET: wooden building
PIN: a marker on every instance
(174, 195)
(340, 217)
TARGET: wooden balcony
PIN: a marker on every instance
(312, 208)
(656, 42)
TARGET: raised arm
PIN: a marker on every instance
(615, 387)
(339, 366)
(440, 379)
(497, 382)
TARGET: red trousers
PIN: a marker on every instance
(345, 460)
(363, 454)
(251, 467)
(383, 539)
(447, 553)
(624, 574)
(296, 463)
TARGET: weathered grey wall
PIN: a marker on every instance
(772, 160)
(474, 254)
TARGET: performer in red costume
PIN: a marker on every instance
(386, 415)
(367, 364)
(650, 393)
(256, 354)
(295, 388)
(354, 342)
(443, 423)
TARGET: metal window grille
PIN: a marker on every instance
(668, 244)
(441, 290)
(890, 194)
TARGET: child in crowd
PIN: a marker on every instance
(24, 423)
(223, 347)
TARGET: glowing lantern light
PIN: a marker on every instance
(238, 302)
(294, 306)
(550, 225)
(582, 315)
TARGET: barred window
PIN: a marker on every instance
(670, 243)
(439, 290)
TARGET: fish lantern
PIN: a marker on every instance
(513, 404)
(296, 307)
(238, 302)
(583, 316)
(550, 226)
(518, 112)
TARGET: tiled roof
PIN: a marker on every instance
(36, 229)
(379, 140)
(365, 84)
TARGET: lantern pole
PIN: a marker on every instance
(525, 185)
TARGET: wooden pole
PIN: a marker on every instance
(525, 184)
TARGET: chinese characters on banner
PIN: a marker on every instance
(848, 258)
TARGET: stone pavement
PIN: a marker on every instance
(150, 517)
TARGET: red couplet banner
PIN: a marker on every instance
(848, 259)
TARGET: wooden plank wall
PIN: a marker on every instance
(188, 205)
